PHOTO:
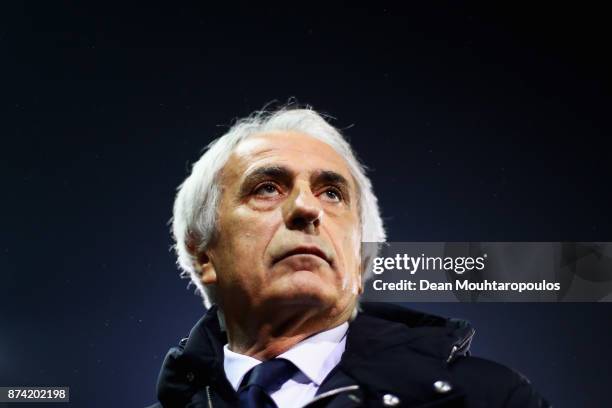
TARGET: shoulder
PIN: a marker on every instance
(489, 372)
(494, 384)
(390, 346)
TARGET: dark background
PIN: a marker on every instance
(479, 123)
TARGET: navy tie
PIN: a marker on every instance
(262, 381)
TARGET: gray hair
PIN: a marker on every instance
(195, 208)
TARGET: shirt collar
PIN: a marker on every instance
(315, 356)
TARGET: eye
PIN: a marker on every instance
(332, 194)
(266, 190)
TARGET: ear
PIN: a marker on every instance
(360, 276)
(203, 265)
(360, 284)
(205, 269)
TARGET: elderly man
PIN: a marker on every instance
(269, 227)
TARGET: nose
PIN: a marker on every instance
(303, 210)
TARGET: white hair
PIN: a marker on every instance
(195, 208)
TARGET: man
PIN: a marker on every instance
(269, 227)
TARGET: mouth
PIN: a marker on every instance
(304, 250)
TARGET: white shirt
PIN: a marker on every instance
(314, 356)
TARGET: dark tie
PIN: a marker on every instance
(263, 379)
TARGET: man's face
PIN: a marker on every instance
(288, 228)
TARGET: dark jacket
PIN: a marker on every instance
(394, 357)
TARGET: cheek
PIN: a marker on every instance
(353, 241)
(247, 234)
(351, 251)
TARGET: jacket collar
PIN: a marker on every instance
(195, 363)
(389, 347)
(382, 341)
(428, 334)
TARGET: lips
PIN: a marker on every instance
(304, 250)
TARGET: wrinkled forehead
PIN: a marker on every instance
(297, 151)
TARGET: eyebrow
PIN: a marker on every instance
(331, 177)
(279, 173)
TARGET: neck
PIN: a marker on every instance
(265, 338)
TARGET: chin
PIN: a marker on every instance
(304, 288)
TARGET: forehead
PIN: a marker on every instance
(297, 151)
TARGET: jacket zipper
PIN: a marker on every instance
(208, 397)
(330, 393)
